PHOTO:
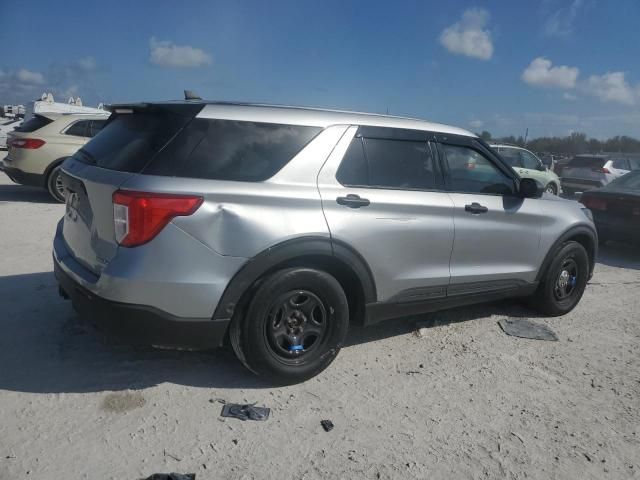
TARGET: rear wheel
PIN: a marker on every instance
(55, 186)
(564, 281)
(294, 326)
(551, 188)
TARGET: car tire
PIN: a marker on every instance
(551, 188)
(293, 326)
(564, 281)
(54, 185)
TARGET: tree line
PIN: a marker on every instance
(571, 144)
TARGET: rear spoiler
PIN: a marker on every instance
(187, 109)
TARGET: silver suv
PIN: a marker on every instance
(191, 223)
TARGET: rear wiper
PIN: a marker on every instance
(86, 156)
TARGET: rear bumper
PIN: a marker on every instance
(575, 184)
(23, 178)
(617, 229)
(140, 324)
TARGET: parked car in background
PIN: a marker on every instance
(6, 126)
(275, 227)
(39, 146)
(527, 165)
(586, 172)
(616, 208)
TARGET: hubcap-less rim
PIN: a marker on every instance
(566, 280)
(550, 189)
(296, 324)
(59, 186)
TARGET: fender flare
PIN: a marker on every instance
(583, 230)
(271, 258)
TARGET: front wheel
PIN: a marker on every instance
(551, 188)
(55, 186)
(294, 326)
(564, 281)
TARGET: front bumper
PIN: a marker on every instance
(23, 178)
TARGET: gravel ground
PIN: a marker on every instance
(462, 401)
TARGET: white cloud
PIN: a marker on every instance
(168, 54)
(28, 77)
(476, 123)
(469, 36)
(569, 96)
(541, 73)
(87, 63)
(612, 87)
(560, 23)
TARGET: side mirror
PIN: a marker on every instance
(529, 188)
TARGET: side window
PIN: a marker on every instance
(353, 170)
(528, 160)
(79, 129)
(634, 163)
(621, 163)
(511, 156)
(400, 164)
(471, 172)
(96, 126)
(231, 150)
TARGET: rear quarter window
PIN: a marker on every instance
(231, 150)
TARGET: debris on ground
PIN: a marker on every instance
(526, 329)
(327, 425)
(170, 455)
(245, 412)
(172, 476)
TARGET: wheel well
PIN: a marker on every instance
(344, 274)
(50, 168)
(587, 242)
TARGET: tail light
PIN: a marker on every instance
(139, 216)
(594, 203)
(30, 143)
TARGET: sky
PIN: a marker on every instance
(550, 66)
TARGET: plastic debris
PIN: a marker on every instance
(172, 476)
(526, 329)
(327, 425)
(245, 412)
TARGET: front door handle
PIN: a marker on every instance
(475, 208)
(353, 201)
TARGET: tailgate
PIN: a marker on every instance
(88, 229)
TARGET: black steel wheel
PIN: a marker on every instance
(293, 327)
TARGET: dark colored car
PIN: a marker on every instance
(616, 209)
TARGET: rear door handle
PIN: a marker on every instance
(475, 208)
(353, 201)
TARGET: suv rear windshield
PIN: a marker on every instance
(128, 141)
(587, 162)
(33, 124)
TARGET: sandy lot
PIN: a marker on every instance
(464, 401)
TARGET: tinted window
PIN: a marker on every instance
(129, 141)
(353, 170)
(630, 181)
(587, 162)
(528, 160)
(621, 163)
(399, 164)
(634, 163)
(471, 172)
(79, 129)
(231, 150)
(511, 155)
(33, 124)
(96, 126)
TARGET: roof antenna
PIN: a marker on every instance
(189, 95)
